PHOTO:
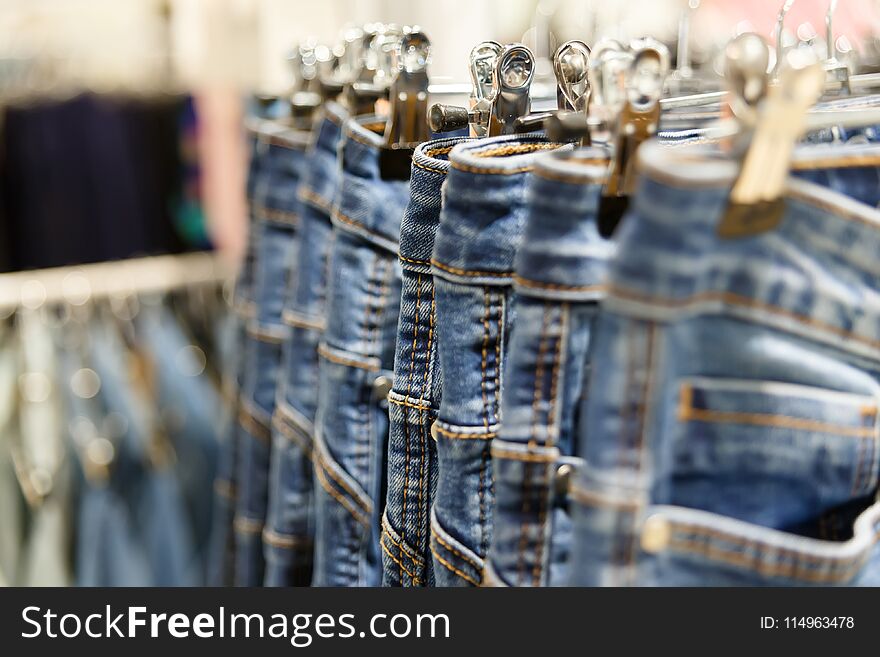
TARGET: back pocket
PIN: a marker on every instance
(770, 453)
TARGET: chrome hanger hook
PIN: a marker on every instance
(571, 64)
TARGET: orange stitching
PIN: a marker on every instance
(523, 456)
(277, 216)
(306, 194)
(443, 150)
(507, 172)
(412, 367)
(292, 320)
(792, 570)
(323, 352)
(418, 164)
(253, 426)
(458, 435)
(452, 549)
(592, 498)
(551, 414)
(339, 216)
(414, 262)
(408, 404)
(224, 488)
(356, 513)
(452, 568)
(735, 299)
(280, 423)
(769, 420)
(484, 352)
(423, 442)
(367, 507)
(466, 272)
(498, 358)
(515, 149)
(287, 541)
(404, 554)
(537, 397)
(525, 282)
(399, 562)
(244, 525)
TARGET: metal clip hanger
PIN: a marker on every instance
(373, 80)
(756, 203)
(571, 63)
(638, 121)
(306, 98)
(836, 70)
(347, 60)
(512, 78)
(408, 124)
(448, 118)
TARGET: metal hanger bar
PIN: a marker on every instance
(859, 82)
(106, 279)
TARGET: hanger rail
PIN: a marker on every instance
(79, 284)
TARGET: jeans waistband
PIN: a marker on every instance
(319, 180)
(484, 203)
(813, 273)
(562, 255)
(364, 201)
(430, 166)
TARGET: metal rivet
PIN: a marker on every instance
(381, 387)
(434, 430)
(562, 481)
(656, 534)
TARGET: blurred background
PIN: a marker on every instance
(151, 158)
(123, 217)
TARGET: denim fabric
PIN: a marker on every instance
(559, 281)
(356, 360)
(133, 525)
(191, 408)
(731, 433)
(289, 537)
(275, 214)
(415, 396)
(481, 226)
(221, 561)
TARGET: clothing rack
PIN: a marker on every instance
(79, 284)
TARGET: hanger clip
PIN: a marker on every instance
(638, 121)
(756, 200)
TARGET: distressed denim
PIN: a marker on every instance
(730, 436)
(289, 537)
(356, 361)
(415, 396)
(275, 215)
(559, 281)
(481, 226)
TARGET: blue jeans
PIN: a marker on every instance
(559, 281)
(221, 562)
(276, 211)
(481, 226)
(289, 536)
(415, 396)
(133, 523)
(355, 366)
(730, 432)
